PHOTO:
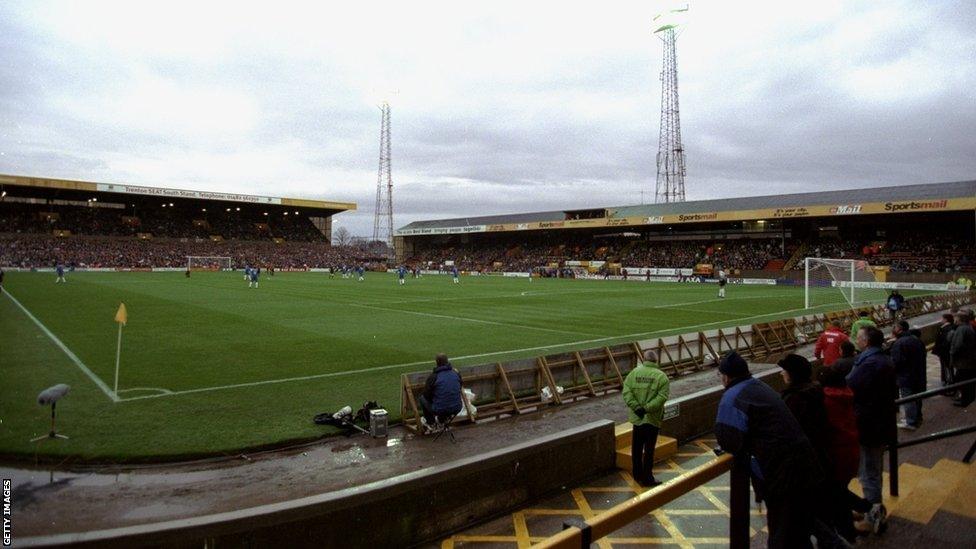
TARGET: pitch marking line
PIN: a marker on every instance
(447, 317)
(74, 358)
(482, 355)
(466, 319)
(157, 389)
(565, 332)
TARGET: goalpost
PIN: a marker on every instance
(852, 283)
(840, 281)
(207, 263)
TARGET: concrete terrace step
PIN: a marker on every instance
(962, 500)
(948, 486)
(665, 448)
(932, 491)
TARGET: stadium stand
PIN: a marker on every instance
(93, 225)
(27, 251)
(910, 230)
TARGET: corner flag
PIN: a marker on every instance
(122, 316)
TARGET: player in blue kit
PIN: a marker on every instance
(247, 273)
(60, 270)
(361, 271)
(255, 273)
(402, 274)
(456, 275)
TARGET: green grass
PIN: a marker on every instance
(195, 337)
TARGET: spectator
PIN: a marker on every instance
(872, 381)
(941, 348)
(645, 391)
(755, 426)
(962, 357)
(442, 393)
(829, 342)
(841, 446)
(864, 319)
(845, 363)
(895, 303)
(805, 399)
(908, 358)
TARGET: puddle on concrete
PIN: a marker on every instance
(350, 457)
(39, 478)
(158, 511)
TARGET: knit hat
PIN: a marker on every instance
(734, 366)
(798, 367)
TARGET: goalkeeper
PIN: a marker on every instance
(646, 389)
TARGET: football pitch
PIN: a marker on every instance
(210, 366)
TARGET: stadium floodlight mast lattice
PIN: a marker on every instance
(383, 220)
(670, 152)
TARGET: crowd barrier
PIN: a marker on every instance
(505, 389)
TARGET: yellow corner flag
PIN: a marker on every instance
(122, 316)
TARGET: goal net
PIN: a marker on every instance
(843, 282)
(207, 263)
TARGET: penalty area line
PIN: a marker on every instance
(64, 348)
(466, 357)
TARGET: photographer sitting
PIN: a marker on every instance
(442, 393)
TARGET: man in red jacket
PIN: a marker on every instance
(828, 344)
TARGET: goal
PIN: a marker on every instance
(849, 282)
(207, 263)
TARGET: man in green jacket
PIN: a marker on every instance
(646, 389)
(864, 319)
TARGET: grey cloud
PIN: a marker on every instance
(773, 119)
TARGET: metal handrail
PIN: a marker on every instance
(583, 533)
(893, 447)
(948, 433)
(935, 392)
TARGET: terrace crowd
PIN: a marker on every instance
(163, 221)
(902, 254)
(34, 250)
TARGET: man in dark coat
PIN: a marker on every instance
(941, 347)
(756, 427)
(805, 399)
(442, 391)
(962, 357)
(845, 363)
(908, 357)
(873, 382)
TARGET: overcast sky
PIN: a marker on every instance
(499, 106)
